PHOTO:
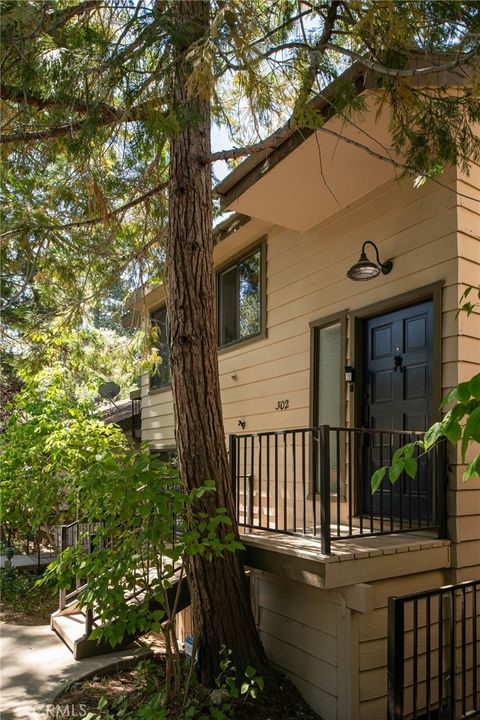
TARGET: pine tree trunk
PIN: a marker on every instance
(220, 597)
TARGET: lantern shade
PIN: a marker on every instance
(366, 269)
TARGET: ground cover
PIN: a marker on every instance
(137, 695)
(22, 602)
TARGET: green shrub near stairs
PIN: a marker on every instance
(132, 564)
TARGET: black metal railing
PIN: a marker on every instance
(434, 654)
(83, 532)
(316, 481)
(136, 413)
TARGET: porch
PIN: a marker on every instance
(313, 484)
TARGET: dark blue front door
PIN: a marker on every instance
(397, 392)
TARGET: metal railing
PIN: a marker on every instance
(76, 532)
(136, 414)
(434, 654)
(316, 481)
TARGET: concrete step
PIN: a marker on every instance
(69, 624)
(71, 629)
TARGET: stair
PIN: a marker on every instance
(70, 626)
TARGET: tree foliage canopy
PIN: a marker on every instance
(88, 111)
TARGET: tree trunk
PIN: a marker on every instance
(220, 596)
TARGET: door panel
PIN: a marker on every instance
(397, 387)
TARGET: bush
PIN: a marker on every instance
(23, 598)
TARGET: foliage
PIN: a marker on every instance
(88, 111)
(49, 439)
(85, 358)
(21, 596)
(203, 704)
(140, 553)
(466, 399)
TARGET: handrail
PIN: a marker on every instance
(310, 428)
(435, 671)
(315, 481)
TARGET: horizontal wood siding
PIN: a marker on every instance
(464, 522)
(306, 281)
(372, 647)
(298, 627)
(432, 234)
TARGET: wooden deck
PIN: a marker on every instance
(356, 560)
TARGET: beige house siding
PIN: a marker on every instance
(299, 629)
(372, 645)
(306, 281)
(336, 655)
(464, 525)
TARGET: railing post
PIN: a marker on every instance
(395, 667)
(232, 459)
(324, 449)
(442, 488)
(250, 501)
(62, 593)
(88, 622)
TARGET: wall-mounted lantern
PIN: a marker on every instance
(366, 269)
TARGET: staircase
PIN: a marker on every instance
(74, 625)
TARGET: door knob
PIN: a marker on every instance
(398, 363)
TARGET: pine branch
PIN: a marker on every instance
(108, 116)
(52, 132)
(62, 16)
(317, 52)
(99, 218)
(54, 20)
(269, 143)
(14, 94)
(459, 61)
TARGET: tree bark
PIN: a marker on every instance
(220, 595)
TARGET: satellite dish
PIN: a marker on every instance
(109, 390)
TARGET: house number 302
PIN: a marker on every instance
(282, 405)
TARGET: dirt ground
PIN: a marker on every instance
(121, 694)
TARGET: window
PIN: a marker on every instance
(328, 368)
(328, 386)
(239, 298)
(160, 376)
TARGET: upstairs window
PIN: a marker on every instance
(239, 299)
(160, 376)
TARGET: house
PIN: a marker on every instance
(322, 377)
(127, 415)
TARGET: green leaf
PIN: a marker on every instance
(377, 478)
(102, 702)
(460, 392)
(396, 470)
(474, 387)
(250, 671)
(472, 470)
(245, 688)
(408, 450)
(471, 431)
(453, 432)
(411, 467)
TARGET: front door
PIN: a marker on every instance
(397, 387)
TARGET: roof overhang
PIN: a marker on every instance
(332, 168)
(310, 174)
